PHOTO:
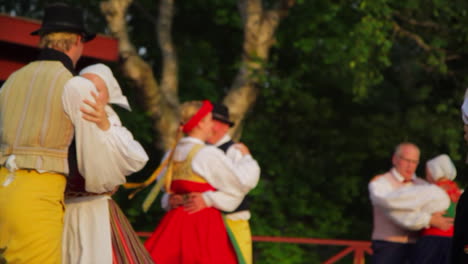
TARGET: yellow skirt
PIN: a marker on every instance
(241, 231)
(31, 217)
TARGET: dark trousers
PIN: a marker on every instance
(432, 250)
(390, 252)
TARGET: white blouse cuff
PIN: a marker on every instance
(207, 199)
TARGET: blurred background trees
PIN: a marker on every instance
(337, 85)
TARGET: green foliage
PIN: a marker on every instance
(337, 99)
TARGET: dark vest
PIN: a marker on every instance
(75, 182)
(244, 205)
(459, 250)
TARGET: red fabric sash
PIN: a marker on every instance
(451, 188)
(185, 186)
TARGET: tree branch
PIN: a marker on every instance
(419, 41)
(259, 29)
(411, 21)
(164, 27)
(169, 82)
(139, 71)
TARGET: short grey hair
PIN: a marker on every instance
(404, 144)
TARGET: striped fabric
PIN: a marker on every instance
(126, 246)
(37, 132)
(234, 238)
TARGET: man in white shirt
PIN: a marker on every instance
(237, 220)
(392, 241)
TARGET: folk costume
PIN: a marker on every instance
(35, 136)
(434, 245)
(391, 242)
(199, 237)
(96, 230)
(237, 220)
(411, 206)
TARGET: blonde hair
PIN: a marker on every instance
(61, 41)
(188, 110)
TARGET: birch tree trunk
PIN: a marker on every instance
(160, 100)
(259, 35)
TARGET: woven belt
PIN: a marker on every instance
(71, 194)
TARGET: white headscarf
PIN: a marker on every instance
(441, 166)
(115, 93)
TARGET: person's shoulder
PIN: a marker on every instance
(25, 68)
(420, 181)
(78, 80)
(80, 84)
(210, 153)
(54, 67)
(28, 69)
(232, 147)
(210, 150)
(53, 72)
(232, 144)
(379, 177)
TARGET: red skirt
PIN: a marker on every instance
(182, 238)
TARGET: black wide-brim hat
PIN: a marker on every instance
(221, 113)
(63, 18)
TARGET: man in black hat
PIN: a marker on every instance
(237, 220)
(34, 139)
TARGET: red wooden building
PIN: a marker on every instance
(18, 47)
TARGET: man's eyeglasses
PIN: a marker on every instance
(408, 160)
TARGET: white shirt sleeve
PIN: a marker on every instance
(378, 190)
(249, 177)
(411, 220)
(224, 175)
(411, 206)
(104, 157)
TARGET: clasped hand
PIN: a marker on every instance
(192, 202)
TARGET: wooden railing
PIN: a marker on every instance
(359, 248)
